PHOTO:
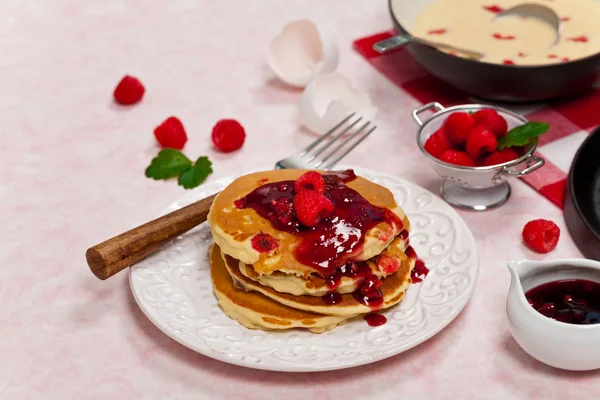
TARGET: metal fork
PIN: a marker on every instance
(113, 255)
(311, 157)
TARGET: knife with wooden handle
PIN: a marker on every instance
(116, 254)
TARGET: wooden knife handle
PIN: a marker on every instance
(109, 257)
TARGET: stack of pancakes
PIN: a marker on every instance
(271, 273)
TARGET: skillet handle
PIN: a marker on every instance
(393, 43)
(433, 105)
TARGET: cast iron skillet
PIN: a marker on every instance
(508, 83)
(582, 197)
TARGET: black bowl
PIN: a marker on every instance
(508, 83)
(582, 197)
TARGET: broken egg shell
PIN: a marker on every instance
(300, 52)
(328, 99)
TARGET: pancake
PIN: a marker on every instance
(315, 285)
(392, 288)
(256, 311)
(234, 228)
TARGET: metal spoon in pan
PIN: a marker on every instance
(542, 12)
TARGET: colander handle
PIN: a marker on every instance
(531, 164)
(429, 106)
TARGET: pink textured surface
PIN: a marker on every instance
(73, 166)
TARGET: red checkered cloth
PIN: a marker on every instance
(571, 121)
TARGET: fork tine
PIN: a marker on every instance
(334, 139)
(325, 136)
(348, 139)
(363, 137)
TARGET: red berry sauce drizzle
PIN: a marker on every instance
(580, 39)
(573, 301)
(500, 36)
(440, 31)
(420, 271)
(374, 319)
(494, 8)
(328, 245)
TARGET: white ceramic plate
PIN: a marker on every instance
(173, 288)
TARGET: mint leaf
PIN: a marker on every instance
(193, 176)
(168, 164)
(521, 135)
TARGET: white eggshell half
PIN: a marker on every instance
(300, 52)
(328, 99)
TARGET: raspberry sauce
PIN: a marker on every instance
(573, 301)
(420, 271)
(372, 298)
(328, 244)
(358, 270)
(367, 292)
(440, 31)
(494, 9)
(332, 298)
(374, 319)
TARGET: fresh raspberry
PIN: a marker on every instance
(129, 91)
(479, 162)
(311, 206)
(520, 150)
(263, 242)
(310, 180)
(457, 158)
(171, 133)
(228, 135)
(491, 120)
(501, 157)
(541, 235)
(387, 264)
(438, 143)
(481, 141)
(458, 126)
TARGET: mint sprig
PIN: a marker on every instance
(522, 135)
(195, 175)
(170, 163)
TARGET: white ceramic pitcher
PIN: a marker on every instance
(561, 345)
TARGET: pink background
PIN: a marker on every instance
(73, 164)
